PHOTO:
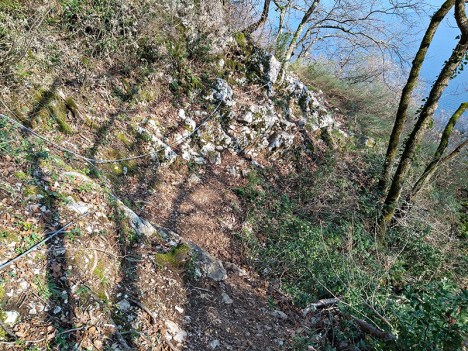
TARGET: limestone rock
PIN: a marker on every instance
(247, 117)
(214, 344)
(267, 66)
(206, 264)
(367, 141)
(141, 226)
(226, 299)
(77, 206)
(123, 305)
(279, 314)
(176, 333)
(11, 317)
(210, 266)
(223, 93)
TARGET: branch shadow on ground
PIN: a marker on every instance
(56, 289)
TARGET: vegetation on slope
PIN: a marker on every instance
(95, 75)
(312, 233)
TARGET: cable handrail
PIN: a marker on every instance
(95, 161)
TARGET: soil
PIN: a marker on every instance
(72, 290)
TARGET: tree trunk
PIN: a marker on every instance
(401, 116)
(426, 114)
(254, 26)
(282, 16)
(437, 159)
(297, 33)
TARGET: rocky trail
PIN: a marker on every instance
(170, 273)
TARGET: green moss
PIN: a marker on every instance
(100, 272)
(71, 105)
(148, 94)
(2, 292)
(3, 333)
(90, 123)
(120, 168)
(177, 257)
(41, 118)
(241, 40)
(123, 138)
(30, 190)
(234, 65)
(59, 112)
(21, 175)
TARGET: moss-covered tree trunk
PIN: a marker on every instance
(282, 9)
(405, 98)
(448, 70)
(437, 159)
(293, 43)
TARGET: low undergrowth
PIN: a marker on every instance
(312, 234)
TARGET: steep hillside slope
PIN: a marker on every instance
(164, 187)
(170, 133)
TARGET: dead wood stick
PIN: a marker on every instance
(374, 331)
(325, 302)
(321, 304)
(146, 309)
(7, 330)
(171, 345)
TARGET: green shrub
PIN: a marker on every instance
(432, 317)
(321, 256)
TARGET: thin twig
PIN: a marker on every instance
(144, 308)
(8, 331)
(201, 289)
(171, 345)
(46, 337)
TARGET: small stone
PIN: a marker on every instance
(131, 317)
(123, 305)
(280, 342)
(179, 309)
(247, 118)
(279, 314)
(57, 309)
(78, 207)
(199, 160)
(175, 332)
(214, 344)
(226, 299)
(193, 179)
(368, 142)
(180, 336)
(181, 114)
(222, 92)
(11, 317)
(190, 124)
(214, 157)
